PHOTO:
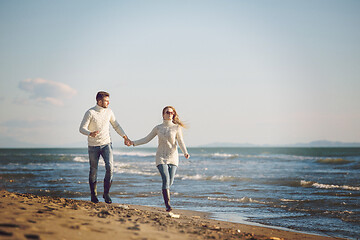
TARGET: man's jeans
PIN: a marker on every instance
(167, 172)
(106, 152)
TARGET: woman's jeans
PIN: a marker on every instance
(95, 152)
(167, 172)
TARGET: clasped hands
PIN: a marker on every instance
(128, 142)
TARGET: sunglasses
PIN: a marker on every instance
(167, 112)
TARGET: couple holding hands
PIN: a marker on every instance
(96, 125)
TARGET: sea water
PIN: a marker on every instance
(314, 190)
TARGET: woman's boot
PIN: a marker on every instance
(166, 196)
(107, 186)
(93, 191)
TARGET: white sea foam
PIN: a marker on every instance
(241, 200)
(81, 159)
(306, 183)
(126, 168)
(224, 155)
(221, 178)
(140, 172)
(327, 186)
(289, 200)
(135, 154)
(219, 155)
(318, 185)
(194, 177)
(278, 156)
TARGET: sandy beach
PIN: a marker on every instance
(26, 216)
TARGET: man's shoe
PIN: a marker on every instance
(107, 186)
(93, 191)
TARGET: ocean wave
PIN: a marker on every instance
(223, 155)
(240, 200)
(101, 162)
(264, 156)
(59, 180)
(81, 159)
(220, 178)
(289, 200)
(286, 157)
(333, 161)
(194, 177)
(142, 172)
(135, 154)
(327, 186)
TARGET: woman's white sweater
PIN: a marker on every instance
(169, 135)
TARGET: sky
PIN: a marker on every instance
(239, 71)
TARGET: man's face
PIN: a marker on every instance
(104, 102)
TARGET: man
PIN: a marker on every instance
(96, 125)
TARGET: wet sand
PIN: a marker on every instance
(26, 216)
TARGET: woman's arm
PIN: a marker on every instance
(146, 139)
(180, 140)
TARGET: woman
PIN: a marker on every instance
(167, 159)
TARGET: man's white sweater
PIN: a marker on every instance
(169, 135)
(99, 119)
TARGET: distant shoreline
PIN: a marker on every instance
(320, 143)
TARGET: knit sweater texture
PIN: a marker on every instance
(169, 135)
(99, 119)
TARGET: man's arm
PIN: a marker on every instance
(85, 124)
(119, 130)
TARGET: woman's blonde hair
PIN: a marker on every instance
(176, 119)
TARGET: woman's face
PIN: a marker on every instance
(168, 114)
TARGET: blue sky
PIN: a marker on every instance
(261, 72)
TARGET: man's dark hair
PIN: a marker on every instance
(100, 95)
